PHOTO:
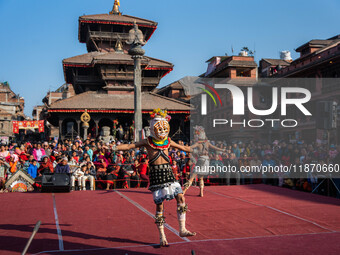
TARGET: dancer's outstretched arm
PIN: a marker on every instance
(126, 147)
(180, 147)
(215, 148)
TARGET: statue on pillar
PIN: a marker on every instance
(85, 118)
(105, 135)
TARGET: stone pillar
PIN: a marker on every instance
(86, 127)
(138, 97)
(97, 124)
(60, 128)
(78, 126)
(137, 52)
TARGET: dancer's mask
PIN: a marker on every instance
(199, 133)
(159, 124)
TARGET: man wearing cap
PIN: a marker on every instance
(62, 167)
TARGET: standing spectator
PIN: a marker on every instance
(4, 170)
(143, 169)
(175, 169)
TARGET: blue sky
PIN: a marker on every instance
(37, 34)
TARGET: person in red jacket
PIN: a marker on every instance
(175, 169)
(143, 169)
(46, 166)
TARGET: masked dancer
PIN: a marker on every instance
(201, 149)
(163, 184)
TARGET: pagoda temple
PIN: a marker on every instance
(101, 81)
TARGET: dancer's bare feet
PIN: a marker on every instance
(163, 242)
(186, 233)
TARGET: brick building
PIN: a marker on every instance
(11, 108)
(320, 60)
(237, 70)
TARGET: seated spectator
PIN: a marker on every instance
(46, 166)
(62, 167)
(267, 162)
(13, 165)
(244, 163)
(217, 163)
(33, 169)
(101, 166)
(88, 151)
(38, 152)
(74, 159)
(233, 163)
(77, 175)
(255, 163)
(87, 160)
(134, 177)
(110, 176)
(47, 149)
(4, 153)
(89, 174)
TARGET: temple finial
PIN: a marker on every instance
(115, 9)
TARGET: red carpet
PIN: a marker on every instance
(252, 219)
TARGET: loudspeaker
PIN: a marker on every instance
(326, 115)
(56, 183)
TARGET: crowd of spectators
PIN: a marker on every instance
(94, 164)
(301, 160)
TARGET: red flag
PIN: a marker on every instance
(15, 127)
(41, 126)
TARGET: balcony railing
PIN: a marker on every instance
(108, 35)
